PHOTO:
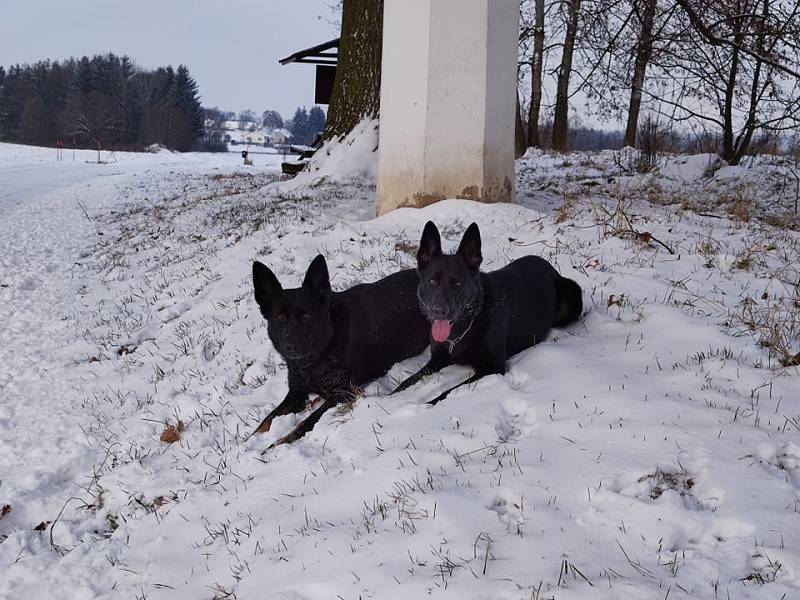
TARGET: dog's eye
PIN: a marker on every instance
(282, 318)
(458, 283)
(433, 282)
(305, 317)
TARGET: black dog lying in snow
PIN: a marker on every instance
(334, 342)
(481, 319)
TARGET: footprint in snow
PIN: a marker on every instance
(509, 508)
(674, 508)
(257, 374)
(515, 420)
(770, 564)
(780, 458)
(669, 481)
(211, 348)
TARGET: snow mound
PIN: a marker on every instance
(354, 156)
(691, 168)
(156, 148)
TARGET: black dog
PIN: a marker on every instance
(334, 342)
(480, 319)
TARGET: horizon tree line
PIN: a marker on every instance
(100, 101)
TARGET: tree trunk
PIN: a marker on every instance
(643, 50)
(356, 89)
(536, 74)
(560, 118)
(519, 133)
(742, 143)
(727, 109)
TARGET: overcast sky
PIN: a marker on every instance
(231, 48)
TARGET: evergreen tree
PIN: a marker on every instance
(300, 130)
(164, 86)
(316, 121)
(14, 93)
(32, 120)
(84, 80)
(188, 101)
(159, 123)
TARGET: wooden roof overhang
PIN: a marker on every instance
(321, 54)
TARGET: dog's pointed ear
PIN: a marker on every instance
(430, 245)
(266, 286)
(470, 247)
(317, 279)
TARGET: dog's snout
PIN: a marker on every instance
(438, 311)
(289, 345)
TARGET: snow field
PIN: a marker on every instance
(647, 450)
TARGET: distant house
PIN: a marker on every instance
(280, 136)
(256, 138)
(231, 126)
(237, 132)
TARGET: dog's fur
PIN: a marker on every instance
(491, 316)
(334, 342)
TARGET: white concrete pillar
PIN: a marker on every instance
(448, 101)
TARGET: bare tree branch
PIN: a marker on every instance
(715, 40)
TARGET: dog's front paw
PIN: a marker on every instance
(290, 437)
(264, 427)
(438, 399)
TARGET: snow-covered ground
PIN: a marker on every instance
(650, 451)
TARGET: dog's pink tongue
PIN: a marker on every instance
(440, 330)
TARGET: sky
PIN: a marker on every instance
(231, 48)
